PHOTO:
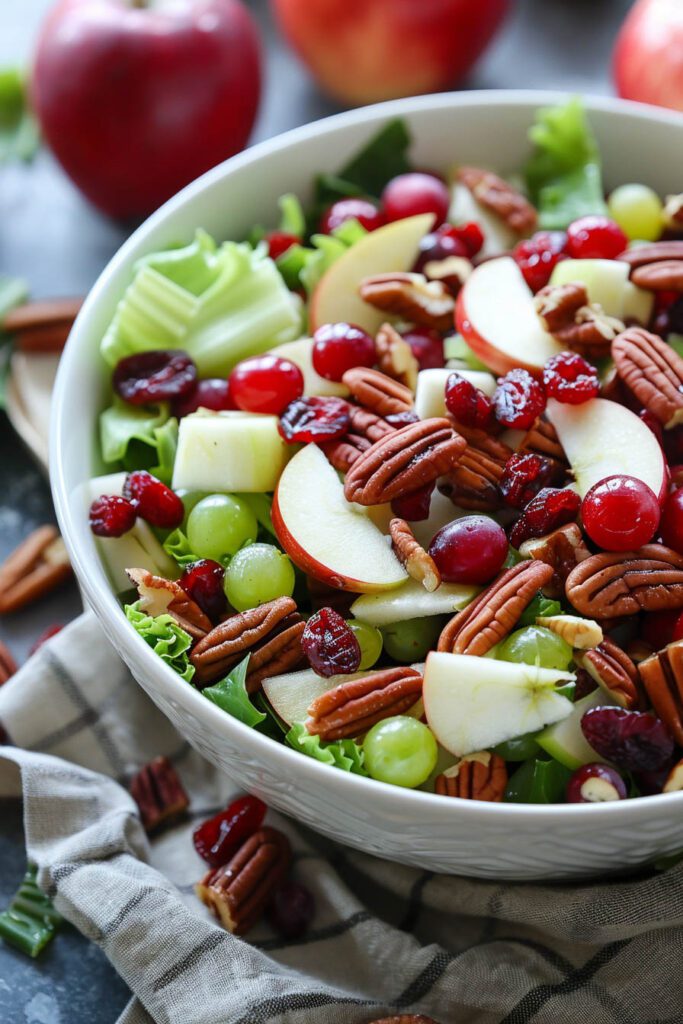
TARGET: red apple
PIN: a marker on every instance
(361, 51)
(648, 57)
(136, 99)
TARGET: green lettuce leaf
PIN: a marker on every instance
(177, 547)
(540, 605)
(231, 695)
(165, 445)
(304, 265)
(193, 267)
(163, 634)
(129, 434)
(344, 754)
(383, 157)
(538, 782)
(19, 133)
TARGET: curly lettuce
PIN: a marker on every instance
(231, 695)
(344, 754)
(166, 638)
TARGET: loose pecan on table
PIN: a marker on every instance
(159, 794)
(404, 461)
(501, 198)
(581, 634)
(395, 356)
(481, 776)
(653, 371)
(270, 634)
(159, 596)
(566, 313)
(8, 665)
(563, 549)
(238, 892)
(612, 668)
(473, 482)
(36, 567)
(611, 584)
(377, 392)
(351, 708)
(43, 325)
(410, 297)
(662, 677)
(417, 562)
(496, 611)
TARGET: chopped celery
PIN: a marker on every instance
(305, 265)
(163, 634)
(191, 266)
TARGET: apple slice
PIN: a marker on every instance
(602, 438)
(412, 601)
(300, 352)
(430, 395)
(495, 315)
(565, 740)
(291, 694)
(474, 703)
(607, 283)
(324, 534)
(393, 247)
(498, 237)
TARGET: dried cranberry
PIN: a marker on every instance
(401, 419)
(46, 635)
(523, 477)
(291, 910)
(330, 646)
(210, 393)
(414, 507)
(111, 516)
(427, 347)
(552, 507)
(156, 376)
(217, 839)
(156, 503)
(595, 238)
(467, 403)
(595, 783)
(203, 582)
(570, 379)
(518, 400)
(537, 257)
(314, 419)
(340, 347)
(279, 242)
(634, 740)
(362, 210)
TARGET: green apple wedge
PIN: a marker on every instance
(412, 601)
(474, 703)
(607, 283)
(430, 394)
(565, 741)
(300, 352)
(388, 249)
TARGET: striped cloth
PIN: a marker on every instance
(386, 939)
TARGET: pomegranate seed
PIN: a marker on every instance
(620, 513)
(570, 379)
(340, 347)
(266, 384)
(523, 477)
(427, 347)
(595, 783)
(156, 376)
(111, 516)
(468, 404)
(362, 210)
(552, 507)
(469, 550)
(279, 242)
(672, 521)
(634, 740)
(291, 910)
(211, 393)
(46, 635)
(217, 839)
(652, 423)
(518, 400)
(330, 646)
(314, 419)
(413, 193)
(414, 507)
(448, 241)
(538, 256)
(595, 238)
(658, 628)
(155, 502)
(203, 582)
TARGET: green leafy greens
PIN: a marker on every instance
(344, 754)
(382, 158)
(139, 437)
(163, 634)
(539, 605)
(538, 782)
(231, 695)
(19, 134)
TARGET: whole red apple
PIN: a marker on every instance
(648, 57)
(137, 98)
(361, 51)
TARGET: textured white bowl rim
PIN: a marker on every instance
(638, 811)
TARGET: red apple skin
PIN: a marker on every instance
(497, 361)
(136, 103)
(648, 56)
(362, 51)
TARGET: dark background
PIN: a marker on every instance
(51, 237)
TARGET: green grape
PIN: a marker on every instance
(536, 645)
(258, 573)
(637, 210)
(520, 749)
(370, 641)
(190, 499)
(410, 640)
(401, 751)
(219, 525)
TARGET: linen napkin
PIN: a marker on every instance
(386, 939)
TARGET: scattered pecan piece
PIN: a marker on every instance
(377, 392)
(558, 304)
(452, 272)
(581, 634)
(159, 794)
(395, 356)
(566, 313)
(480, 776)
(474, 482)
(159, 596)
(404, 461)
(418, 563)
(673, 212)
(501, 198)
(662, 677)
(674, 780)
(542, 439)
(653, 371)
(410, 297)
(36, 567)
(365, 423)
(8, 665)
(665, 276)
(654, 252)
(270, 634)
(612, 669)
(43, 325)
(406, 1018)
(238, 892)
(496, 611)
(562, 549)
(343, 453)
(351, 708)
(611, 584)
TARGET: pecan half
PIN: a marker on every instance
(365, 423)
(410, 297)
(377, 392)
(581, 634)
(674, 780)
(673, 212)
(395, 356)
(542, 439)
(655, 252)
(351, 708)
(496, 611)
(474, 482)
(159, 596)
(238, 892)
(36, 567)
(612, 669)
(452, 272)
(562, 549)
(564, 311)
(8, 665)
(404, 461)
(270, 634)
(480, 776)
(417, 562)
(653, 371)
(43, 325)
(159, 794)
(662, 677)
(499, 196)
(343, 453)
(611, 584)
(665, 276)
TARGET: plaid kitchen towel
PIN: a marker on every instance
(386, 939)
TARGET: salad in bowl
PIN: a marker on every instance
(398, 482)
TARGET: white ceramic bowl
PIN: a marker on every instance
(503, 841)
